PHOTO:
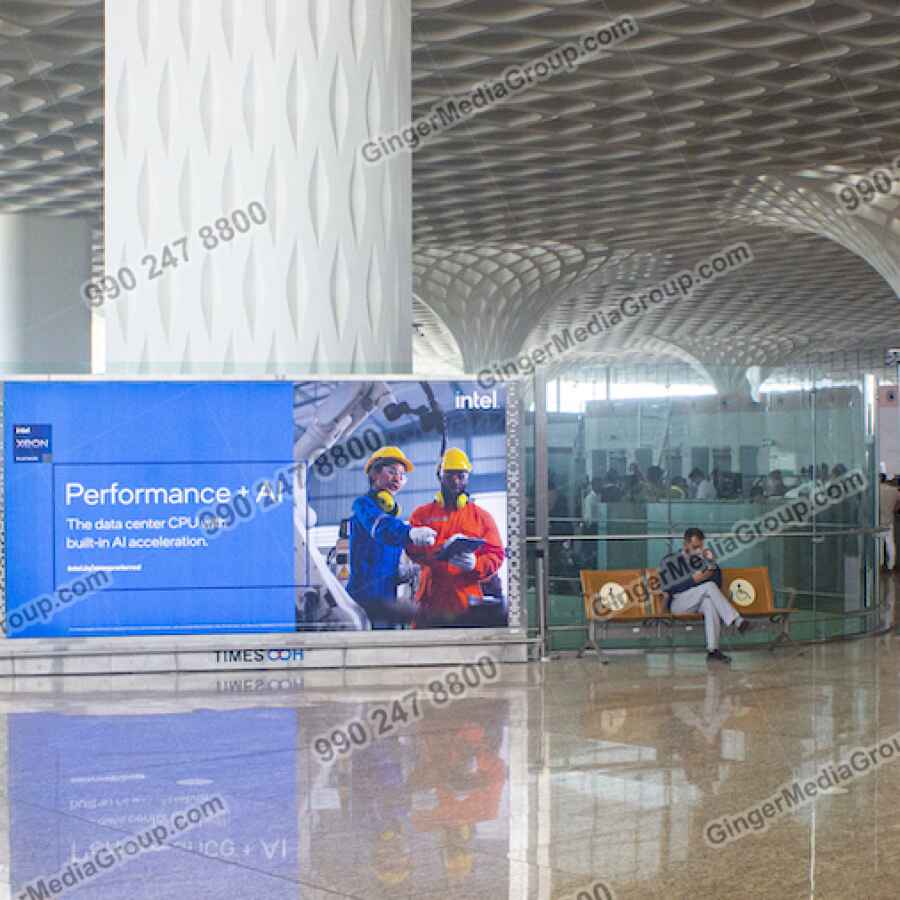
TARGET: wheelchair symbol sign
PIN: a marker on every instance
(613, 596)
(742, 592)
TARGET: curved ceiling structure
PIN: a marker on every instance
(701, 130)
(710, 123)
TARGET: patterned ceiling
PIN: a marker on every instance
(51, 106)
(716, 123)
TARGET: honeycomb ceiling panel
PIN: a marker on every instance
(51, 106)
(687, 137)
(697, 132)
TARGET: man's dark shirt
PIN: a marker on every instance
(676, 572)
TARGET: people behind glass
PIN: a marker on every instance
(612, 490)
(775, 486)
(701, 487)
(888, 507)
(557, 503)
(653, 490)
(591, 506)
(679, 488)
(634, 483)
(655, 486)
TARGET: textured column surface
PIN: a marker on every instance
(44, 323)
(214, 104)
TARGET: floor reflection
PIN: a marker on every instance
(79, 782)
(556, 782)
(402, 816)
(411, 810)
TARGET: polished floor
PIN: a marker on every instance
(564, 779)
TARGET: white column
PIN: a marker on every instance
(215, 104)
(44, 323)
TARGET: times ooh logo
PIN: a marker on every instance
(32, 443)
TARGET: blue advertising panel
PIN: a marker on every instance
(239, 507)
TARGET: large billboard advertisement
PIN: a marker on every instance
(235, 507)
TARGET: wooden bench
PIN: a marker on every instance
(750, 592)
(604, 604)
(748, 589)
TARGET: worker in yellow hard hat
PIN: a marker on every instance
(378, 537)
(467, 550)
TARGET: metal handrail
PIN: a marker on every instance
(709, 534)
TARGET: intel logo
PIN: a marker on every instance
(477, 400)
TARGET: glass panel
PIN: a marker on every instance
(640, 453)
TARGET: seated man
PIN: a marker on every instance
(694, 584)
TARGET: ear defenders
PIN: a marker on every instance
(385, 499)
(462, 500)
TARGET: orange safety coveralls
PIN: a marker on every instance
(444, 590)
(478, 799)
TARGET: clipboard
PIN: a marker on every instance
(460, 545)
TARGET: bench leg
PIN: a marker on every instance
(663, 624)
(784, 634)
(593, 643)
(590, 645)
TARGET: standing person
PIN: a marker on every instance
(775, 486)
(701, 487)
(591, 513)
(693, 582)
(591, 506)
(611, 490)
(378, 537)
(585, 487)
(449, 587)
(654, 490)
(634, 483)
(888, 507)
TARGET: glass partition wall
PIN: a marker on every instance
(636, 454)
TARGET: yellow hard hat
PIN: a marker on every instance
(455, 460)
(388, 453)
